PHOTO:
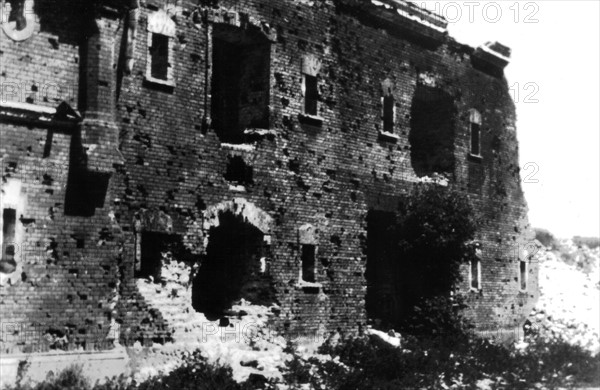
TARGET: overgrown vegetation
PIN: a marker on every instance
(546, 238)
(442, 363)
(590, 242)
(579, 254)
(194, 374)
(435, 226)
(368, 363)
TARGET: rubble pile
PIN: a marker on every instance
(568, 308)
(241, 340)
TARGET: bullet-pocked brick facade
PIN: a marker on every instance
(130, 128)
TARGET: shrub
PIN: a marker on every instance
(435, 227)
(71, 378)
(439, 362)
(590, 242)
(437, 316)
(194, 374)
(546, 238)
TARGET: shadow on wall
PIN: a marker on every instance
(86, 191)
(433, 116)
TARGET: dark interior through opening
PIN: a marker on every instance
(382, 300)
(431, 138)
(240, 82)
(238, 171)
(475, 134)
(308, 263)
(153, 247)
(311, 94)
(388, 114)
(231, 270)
(160, 56)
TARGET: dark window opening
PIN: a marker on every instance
(382, 261)
(432, 134)
(475, 139)
(86, 190)
(154, 247)
(7, 260)
(9, 218)
(238, 171)
(388, 114)
(17, 13)
(308, 263)
(240, 82)
(160, 56)
(475, 282)
(523, 275)
(231, 269)
(311, 95)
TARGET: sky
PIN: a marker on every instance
(554, 74)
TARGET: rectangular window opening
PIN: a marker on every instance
(311, 95)
(388, 114)
(523, 275)
(152, 245)
(308, 263)
(475, 139)
(240, 85)
(9, 219)
(160, 56)
(475, 273)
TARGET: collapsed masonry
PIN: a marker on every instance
(264, 146)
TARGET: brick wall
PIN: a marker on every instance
(327, 171)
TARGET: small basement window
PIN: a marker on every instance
(523, 275)
(475, 274)
(475, 130)
(308, 263)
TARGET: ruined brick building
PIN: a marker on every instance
(263, 142)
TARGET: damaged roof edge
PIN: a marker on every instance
(493, 53)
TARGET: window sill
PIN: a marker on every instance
(475, 290)
(239, 147)
(305, 284)
(389, 136)
(475, 157)
(253, 134)
(164, 83)
(39, 115)
(260, 132)
(238, 188)
(314, 120)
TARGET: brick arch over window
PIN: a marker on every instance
(154, 220)
(252, 214)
